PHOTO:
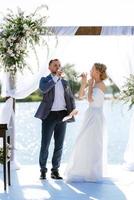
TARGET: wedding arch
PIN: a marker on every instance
(19, 79)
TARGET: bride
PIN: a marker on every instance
(87, 159)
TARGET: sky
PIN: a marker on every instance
(81, 12)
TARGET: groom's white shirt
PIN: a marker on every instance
(59, 100)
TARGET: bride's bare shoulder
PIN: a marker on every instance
(102, 86)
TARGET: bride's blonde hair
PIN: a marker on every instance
(102, 69)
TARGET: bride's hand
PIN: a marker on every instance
(91, 82)
(90, 99)
(84, 79)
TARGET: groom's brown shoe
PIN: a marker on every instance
(56, 175)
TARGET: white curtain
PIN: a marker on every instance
(123, 58)
(6, 112)
(119, 59)
(7, 116)
(129, 152)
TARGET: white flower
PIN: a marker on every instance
(3, 40)
(9, 51)
(17, 46)
(27, 34)
(12, 67)
(36, 30)
(4, 44)
(13, 38)
(13, 25)
(12, 55)
(8, 68)
(26, 27)
(18, 52)
(9, 39)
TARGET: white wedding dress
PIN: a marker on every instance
(89, 154)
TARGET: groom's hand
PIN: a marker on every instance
(60, 73)
(74, 112)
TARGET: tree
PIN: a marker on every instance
(72, 76)
(114, 87)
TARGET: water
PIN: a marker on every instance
(28, 132)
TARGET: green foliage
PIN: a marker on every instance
(113, 88)
(72, 76)
(127, 92)
(34, 97)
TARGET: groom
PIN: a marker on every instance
(58, 101)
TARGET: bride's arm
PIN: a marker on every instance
(90, 90)
(83, 86)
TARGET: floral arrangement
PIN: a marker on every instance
(127, 93)
(8, 153)
(18, 32)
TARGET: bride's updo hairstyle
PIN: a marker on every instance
(102, 69)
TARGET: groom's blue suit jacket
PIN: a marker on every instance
(47, 87)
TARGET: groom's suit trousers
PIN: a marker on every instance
(52, 126)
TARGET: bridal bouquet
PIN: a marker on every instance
(127, 93)
(18, 32)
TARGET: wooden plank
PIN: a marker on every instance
(89, 30)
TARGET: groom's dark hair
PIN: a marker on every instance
(50, 62)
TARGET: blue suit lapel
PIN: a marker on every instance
(49, 77)
(64, 83)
